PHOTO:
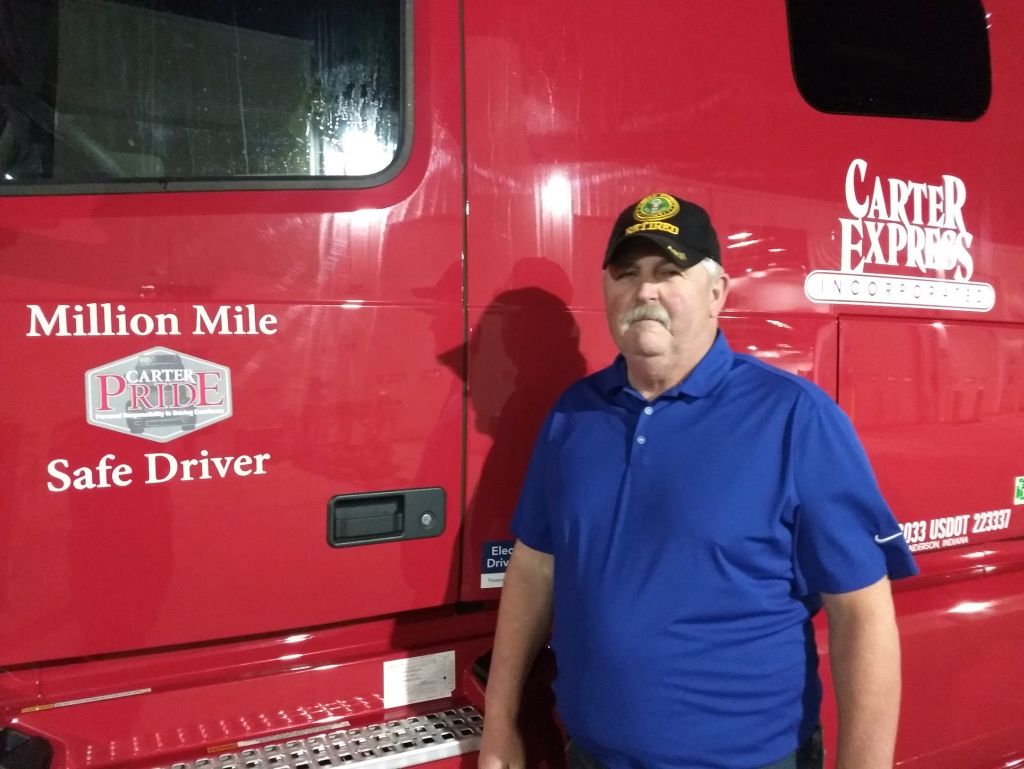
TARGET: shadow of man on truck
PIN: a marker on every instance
(521, 354)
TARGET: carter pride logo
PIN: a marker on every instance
(158, 394)
(904, 244)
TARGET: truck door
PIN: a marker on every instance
(231, 255)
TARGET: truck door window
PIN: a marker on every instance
(113, 91)
(894, 58)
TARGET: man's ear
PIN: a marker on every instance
(719, 290)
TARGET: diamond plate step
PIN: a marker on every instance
(390, 745)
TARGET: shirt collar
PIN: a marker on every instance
(702, 381)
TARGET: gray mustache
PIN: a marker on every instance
(646, 312)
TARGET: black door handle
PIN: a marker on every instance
(385, 516)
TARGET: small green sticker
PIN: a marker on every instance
(1018, 491)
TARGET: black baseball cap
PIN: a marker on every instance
(681, 229)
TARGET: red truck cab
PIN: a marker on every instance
(287, 292)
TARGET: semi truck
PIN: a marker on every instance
(287, 290)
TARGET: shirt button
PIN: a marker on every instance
(641, 440)
(648, 410)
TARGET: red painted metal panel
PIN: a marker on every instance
(940, 408)
(342, 391)
(961, 628)
(582, 133)
(211, 664)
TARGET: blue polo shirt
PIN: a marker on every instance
(692, 536)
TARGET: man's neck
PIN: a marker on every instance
(652, 376)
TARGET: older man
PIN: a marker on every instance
(686, 513)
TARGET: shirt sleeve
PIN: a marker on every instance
(530, 521)
(846, 536)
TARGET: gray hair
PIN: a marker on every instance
(714, 269)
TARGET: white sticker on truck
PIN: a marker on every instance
(419, 679)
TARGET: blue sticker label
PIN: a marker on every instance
(494, 562)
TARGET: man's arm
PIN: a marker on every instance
(524, 620)
(865, 652)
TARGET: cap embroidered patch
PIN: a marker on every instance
(648, 226)
(655, 207)
(677, 253)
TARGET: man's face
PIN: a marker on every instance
(657, 309)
